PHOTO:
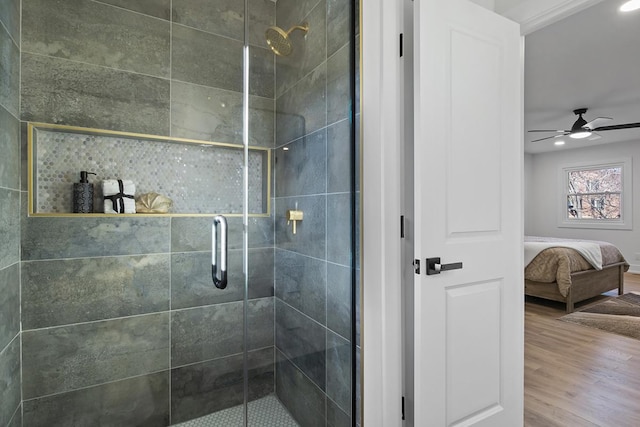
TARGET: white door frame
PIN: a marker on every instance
(382, 122)
(381, 132)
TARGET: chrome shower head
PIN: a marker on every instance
(279, 41)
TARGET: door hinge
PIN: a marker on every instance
(416, 266)
(401, 45)
(402, 226)
(402, 408)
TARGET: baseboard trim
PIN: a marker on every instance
(634, 268)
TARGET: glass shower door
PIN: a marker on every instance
(278, 343)
(301, 104)
(226, 359)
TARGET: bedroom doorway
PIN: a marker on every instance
(561, 388)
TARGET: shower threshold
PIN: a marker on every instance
(264, 412)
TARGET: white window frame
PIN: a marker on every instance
(624, 222)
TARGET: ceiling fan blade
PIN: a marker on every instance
(615, 127)
(597, 122)
(549, 137)
(549, 130)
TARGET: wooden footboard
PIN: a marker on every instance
(584, 285)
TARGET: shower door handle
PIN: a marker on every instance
(221, 283)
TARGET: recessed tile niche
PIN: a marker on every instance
(200, 177)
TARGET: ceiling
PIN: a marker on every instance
(590, 59)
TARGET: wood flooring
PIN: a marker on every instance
(579, 376)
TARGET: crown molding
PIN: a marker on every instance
(535, 14)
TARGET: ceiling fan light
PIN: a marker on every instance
(580, 135)
(560, 142)
(630, 6)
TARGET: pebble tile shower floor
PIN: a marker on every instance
(265, 412)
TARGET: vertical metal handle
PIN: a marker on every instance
(221, 283)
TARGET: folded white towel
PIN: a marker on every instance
(118, 196)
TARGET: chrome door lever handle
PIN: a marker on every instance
(435, 267)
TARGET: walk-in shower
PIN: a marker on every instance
(238, 306)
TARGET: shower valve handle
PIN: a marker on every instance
(295, 216)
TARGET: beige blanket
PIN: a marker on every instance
(556, 264)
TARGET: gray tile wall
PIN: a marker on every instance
(313, 167)
(122, 325)
(10, 176)
(145, 67)
(10, 375)
(105, 405)
(84, 31)
(93, 353)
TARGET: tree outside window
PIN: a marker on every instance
(594, 193)
(597, 195)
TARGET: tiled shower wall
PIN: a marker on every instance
(121, 324)
(313, 169)
(10, 413)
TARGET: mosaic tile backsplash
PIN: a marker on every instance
(199, 178)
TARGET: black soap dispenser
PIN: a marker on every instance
(83, 194)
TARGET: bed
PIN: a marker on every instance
(561, 273)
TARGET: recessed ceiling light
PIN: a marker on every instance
(630, 5)
(560, 142)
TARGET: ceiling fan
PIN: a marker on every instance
(583, 129)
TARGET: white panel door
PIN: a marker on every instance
(468, 209)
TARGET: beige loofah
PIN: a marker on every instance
(153, 203)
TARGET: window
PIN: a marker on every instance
(596, 195)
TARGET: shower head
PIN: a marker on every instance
(279, 41)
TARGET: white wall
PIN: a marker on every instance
(487, 4)
(504, 5)
(541, 196)
(528, 190)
